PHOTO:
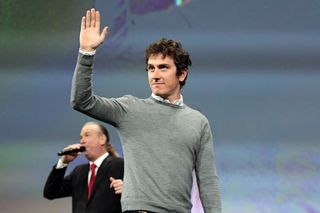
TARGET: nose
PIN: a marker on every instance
(156, 79)
(82, 141)
(156, 75)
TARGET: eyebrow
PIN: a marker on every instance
(159, 65)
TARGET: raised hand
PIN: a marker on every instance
(90, 36)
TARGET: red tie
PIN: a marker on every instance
(92, 177)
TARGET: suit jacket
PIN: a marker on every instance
(102, 199)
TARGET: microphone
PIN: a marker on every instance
(71, 151)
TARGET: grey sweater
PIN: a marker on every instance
(162, 144)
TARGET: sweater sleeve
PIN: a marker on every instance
(84, 100)
(207, 178)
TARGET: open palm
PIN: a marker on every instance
(90, 36)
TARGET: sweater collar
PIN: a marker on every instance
(178, 102)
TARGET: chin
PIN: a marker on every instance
(159, 94)
(156, 93)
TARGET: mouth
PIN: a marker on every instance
(157, 84)
(82, 149)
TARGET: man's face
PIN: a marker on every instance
(93, 140)
(162, 77)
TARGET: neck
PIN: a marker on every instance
(93, 159)
(172, 99)
(177, 101)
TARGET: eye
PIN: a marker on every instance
(150, 68)
(163, 67)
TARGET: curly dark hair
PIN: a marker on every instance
(173, 49)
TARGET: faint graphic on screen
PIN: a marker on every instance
(122, 17)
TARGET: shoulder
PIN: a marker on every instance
(134, 98)
(196, 117)
(195, 111)
(81, 167)
(117, 160)
(130, 101)
(114, 161)
(116, 166)
(127, 99)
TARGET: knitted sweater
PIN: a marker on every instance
(162, 144)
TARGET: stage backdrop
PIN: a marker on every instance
(255, 75)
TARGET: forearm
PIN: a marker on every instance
(82, 95)
(83, 98)
(56, 186)
(81, 90)
(210, 193)
(206, 174)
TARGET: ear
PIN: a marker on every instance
(103, 140)
(183, 75)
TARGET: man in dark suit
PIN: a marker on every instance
(94, 189)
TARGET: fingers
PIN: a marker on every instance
(88, 14)
(111, 180)
(104, 32)
(117, 184)
(90, 36)
(70, 157)
(93, 18)
(83, 23)
(72, 146)
(97, 20)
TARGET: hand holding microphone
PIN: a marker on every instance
(70, 152)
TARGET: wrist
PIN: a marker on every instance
(61, 164)
(87, 52)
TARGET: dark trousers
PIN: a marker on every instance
(138, 211)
